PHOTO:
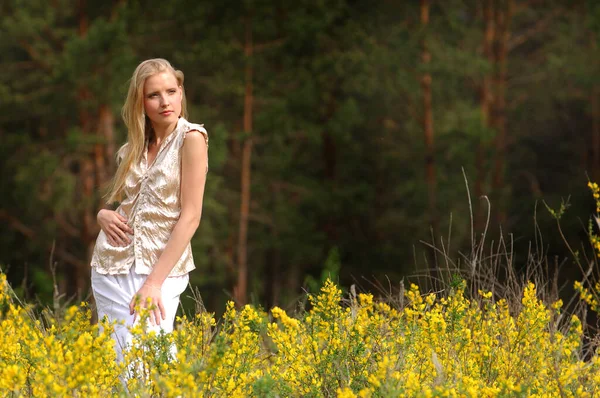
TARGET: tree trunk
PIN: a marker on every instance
(105, 154)
(428, 119)
(503, 17)
(486, 102)
(595, 104)
(87, 172)
(240, 290)
(427, 123)
(103, 163)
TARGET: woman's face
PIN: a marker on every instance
(162, 99)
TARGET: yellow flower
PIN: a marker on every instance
(438, 345)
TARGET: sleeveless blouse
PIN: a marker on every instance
(152, 206)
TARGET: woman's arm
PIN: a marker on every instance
(193, 179)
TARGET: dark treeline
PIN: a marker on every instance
(339, 130)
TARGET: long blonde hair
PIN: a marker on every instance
(139, 128)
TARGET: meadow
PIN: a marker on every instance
(476, 335)
(435, 344)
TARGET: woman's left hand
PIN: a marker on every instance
(149, 296)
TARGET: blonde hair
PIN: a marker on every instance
(139, 128)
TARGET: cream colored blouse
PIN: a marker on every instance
(152, 206)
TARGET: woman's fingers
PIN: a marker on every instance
(121, 223)
(122, 238)
(155, 313)
(121, 217)
(115, 237)
(115, 226)
(110, 240)
(163, 312)
(126, 228)
(132, 307)
(150, 300)
(157, 316)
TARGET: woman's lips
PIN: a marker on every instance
(166, 113)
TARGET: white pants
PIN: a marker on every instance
(113, 293)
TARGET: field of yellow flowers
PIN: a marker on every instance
(433, 345)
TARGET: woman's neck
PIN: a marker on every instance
(162, 131)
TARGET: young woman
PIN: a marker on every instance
(143, 253)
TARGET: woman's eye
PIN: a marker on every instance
(172, 91)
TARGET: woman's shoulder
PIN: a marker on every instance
(188, 126)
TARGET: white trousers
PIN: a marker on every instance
(113, 293)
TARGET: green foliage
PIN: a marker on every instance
(338, 162)
(331, 271)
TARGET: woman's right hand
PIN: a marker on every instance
(114, 226)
